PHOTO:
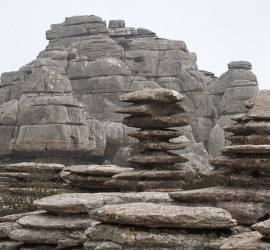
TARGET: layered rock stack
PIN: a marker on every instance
(90, 177)
(229, 93)
(153, 110)
(156, 226)
(246, 163)
(79, 78)
(62, 219)
(31, 177)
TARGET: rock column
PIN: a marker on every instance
(153, 111)
(247, 164)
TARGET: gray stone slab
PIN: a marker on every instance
(49, 221)
(76, 203)
(162, 216)
(158, 95)
(223, 194)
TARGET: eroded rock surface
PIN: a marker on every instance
(62, 102)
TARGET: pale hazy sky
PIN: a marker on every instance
(218, 31)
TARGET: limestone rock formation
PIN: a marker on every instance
(242, 241)
(229, 93)
(62, 223)
(146, 214)
(61, 104)
(246, 163)
(153, 111)
(156, 226)
(90, 177)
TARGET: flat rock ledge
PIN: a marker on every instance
(74, 203)
(159, 215)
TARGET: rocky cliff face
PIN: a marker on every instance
(62, 103)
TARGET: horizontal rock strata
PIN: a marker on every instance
(146, 214)
(75, 203)
(90, 177)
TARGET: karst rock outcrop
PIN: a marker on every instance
(229, 93)
(61, 105)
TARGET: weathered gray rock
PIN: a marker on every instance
(6, 228)
(71, 28)
(92, 65)
(245, 213)
(155, 122)
(10, 245)
(64, 238)
(159, 146)
(128, 237)
(100, 67)
(260, 108)
(222, 194)
(158, 215)
(155, 134)
(144, 185)
(15, 217)
(243, 241)
(92, 47)
(229, 93)
(48, 221)
(152, 109)
(117, 24)
(157, 158)
(240, 65)
(75, 203)
(242, 163)
(152, 96)
(255, 139)
(247, 149)
(96, 170)
(263, 228)
(29, 167)
(216, 141)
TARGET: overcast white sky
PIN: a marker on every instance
(219, 31)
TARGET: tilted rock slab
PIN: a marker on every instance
(158, 215)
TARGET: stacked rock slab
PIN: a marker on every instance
(246, 163)
(156, 226)
(63, 219)
(152, 111)
(90, 177)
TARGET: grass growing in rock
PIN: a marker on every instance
(20, 195)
